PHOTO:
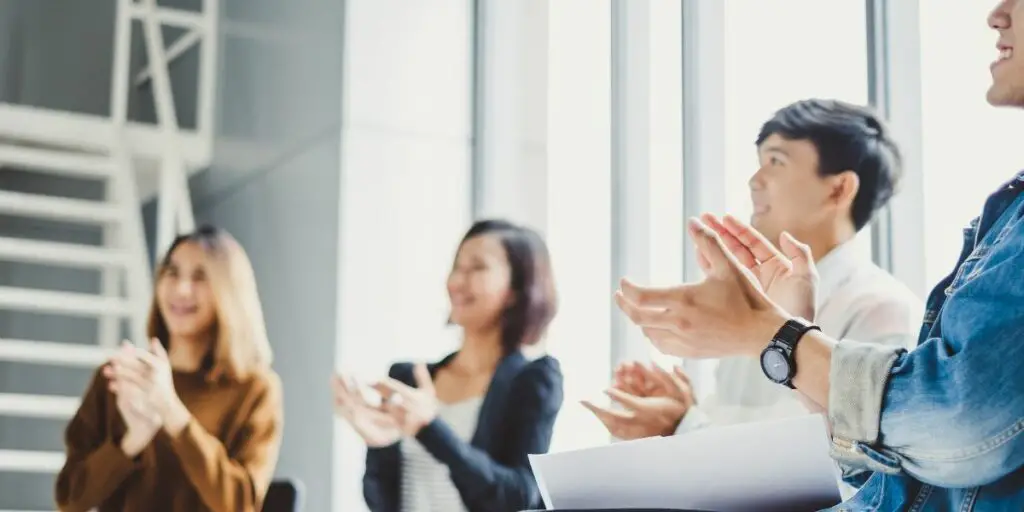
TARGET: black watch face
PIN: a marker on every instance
(775, 365)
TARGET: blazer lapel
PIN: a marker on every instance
(495, 401)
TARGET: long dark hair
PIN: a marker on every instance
(534, 301)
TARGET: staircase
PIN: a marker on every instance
(130, 162)
(122, 261)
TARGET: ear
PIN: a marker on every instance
(844, 187)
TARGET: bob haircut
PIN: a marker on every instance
(534, 301)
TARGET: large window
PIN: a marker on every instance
(969, 147)
(579, 208)
(666, 147)
(780, 52)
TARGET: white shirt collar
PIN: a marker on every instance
(835, 267)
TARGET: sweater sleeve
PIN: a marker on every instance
(235, 479)
(95, 466)
(484, 483)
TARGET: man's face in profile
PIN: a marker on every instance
(1008, 68)
(787, 192)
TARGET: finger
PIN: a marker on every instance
(157, 349)
(681, 374)
(627, 400)
(610, 418)
(672, 344)
(423, 379)
(711, 246)
(149, 360)
(662, 377)
(741, 251)
(759, 246)
(342, 394)
(681, 384)
(396, 387)
(130, 359)
(647, 317)
(647, 295)
(129, 374)
(723, 262)
(797, 252)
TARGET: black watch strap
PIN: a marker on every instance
(787, 337)
(792, 332)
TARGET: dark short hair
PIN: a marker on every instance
(532, 283)
(848, 138)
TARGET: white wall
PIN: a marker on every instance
(405, 192)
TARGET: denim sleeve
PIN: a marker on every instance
(949, 413)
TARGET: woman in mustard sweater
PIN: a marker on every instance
(194, 422)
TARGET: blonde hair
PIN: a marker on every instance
(240, 346)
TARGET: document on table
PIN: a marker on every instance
(767, 466)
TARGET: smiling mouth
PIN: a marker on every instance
(1005, 54)
(183, 310)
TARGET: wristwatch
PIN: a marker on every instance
(777, 360)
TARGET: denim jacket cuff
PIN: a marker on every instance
(858, 376)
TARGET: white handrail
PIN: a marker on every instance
(38, 406)
(175, 50)
(171, 219)
(52, 353)
(31, 462)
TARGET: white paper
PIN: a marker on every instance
(765, 466)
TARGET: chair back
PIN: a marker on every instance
(284, 495)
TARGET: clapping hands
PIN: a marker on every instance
(750, 290)
(654, 401)
(143, 384)
(402, 412)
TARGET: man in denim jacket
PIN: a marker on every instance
(934, 429)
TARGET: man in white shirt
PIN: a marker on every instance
(825, 168)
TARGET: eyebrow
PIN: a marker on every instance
(775, 149)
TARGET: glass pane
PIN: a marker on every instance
(775, 56)
(666, 132)
(579, 208)
(962, 133)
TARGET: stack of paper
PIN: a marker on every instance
(771, 466)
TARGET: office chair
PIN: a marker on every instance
(284, 495)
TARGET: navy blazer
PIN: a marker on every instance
(492, 473)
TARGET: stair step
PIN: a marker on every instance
(56, 354)
(59, 208)
(24, 461)
(63, 163)
(23, 299)
(62, 254)
(38, 406)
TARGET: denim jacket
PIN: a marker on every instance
(939, 428)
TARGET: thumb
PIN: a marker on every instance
(798, 252)
(422, 376)
(157, 348)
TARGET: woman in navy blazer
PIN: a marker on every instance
(455, 435)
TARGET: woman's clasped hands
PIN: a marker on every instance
(144, 388)
(402, 410)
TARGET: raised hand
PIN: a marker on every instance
(658, 412)
(372, 423)
(415, 407)
(788, 276)
(726, 314)
(150, 373)
(140, 417)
